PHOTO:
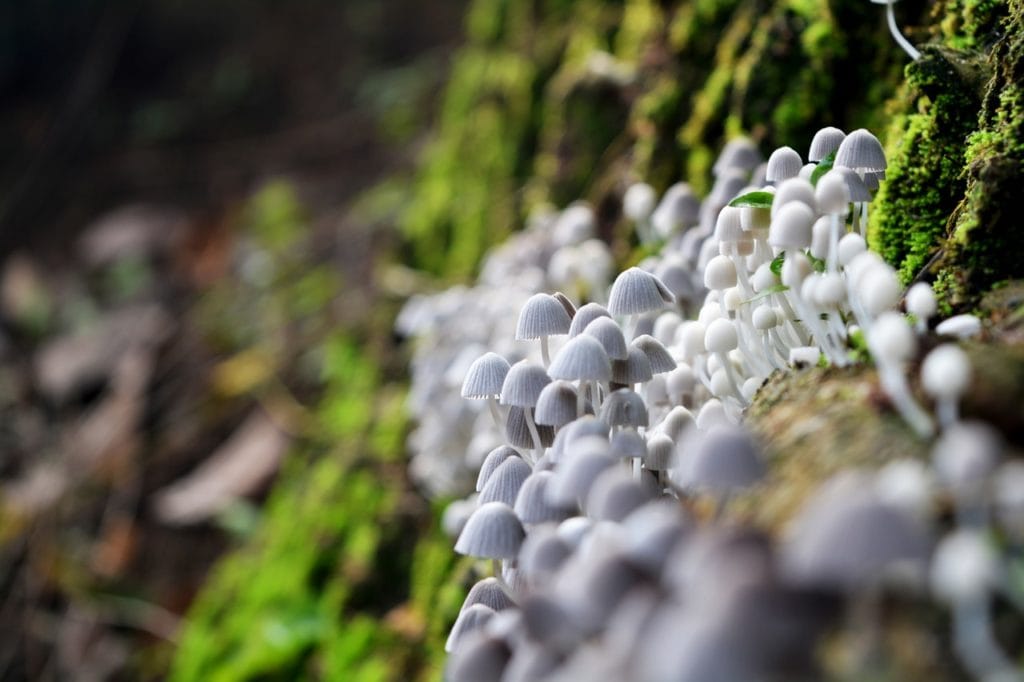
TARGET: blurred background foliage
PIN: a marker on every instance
(324, 174)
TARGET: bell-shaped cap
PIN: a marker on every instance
(638, 201)
(608, 332)
(492, 461)
(518, 431)
(729, 225)
(861, 151)
(581, 358)
(739, 153)
(661, 359)
(628, 443)
(542, 315)
(720, 336)
(625, 407)
(891, 340)
(523, 384)
(635, 369)
(504, 484)
(637, 291)
(859, 191)
(615, 495)
(575, 476)
(556, 405)
(851, 541)
(532, 505)
(585, 315)
(723, 460)
(720, 273)
(792, 226)
(946, 372)
(478, 657)
(587, 425)
(966, 455)
(783, 164)
(470, 619)
(824, 142)
(485, 377)
(543, 553)
(680, 383)
(660, 452)
(679, 208)
(491, 593)
(492, 532)
(792, 191)
(653, 531)
(833, 193)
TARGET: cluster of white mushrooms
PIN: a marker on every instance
(598, 425)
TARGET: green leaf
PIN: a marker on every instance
(824, 166)
(817, 263)
(774, 289)
(776, 265)
(753, 200)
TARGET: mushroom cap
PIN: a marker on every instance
(583, 358)
(532, 505)
(543, 552)
(637, 291)
(492, 532)
(504, 484)
(891, 339)
(556, 405)
(679, 208)
(784, 163)
(585, 315)
(920, 300)
(542, 315)
(764, 318)
(738, 153)
(477, 657)
(489, 592)
(720, 336)
(485, 377)
(861, 151)
(574, 478)
(964, 568)
(794, 190)
(523, 384)
(959, 326)
(729, 225)
(492, 461)
(946, 372)
(859, 191)
(624, 407)
(653, 531)
(661, 359)
(615, 495)
(792, 226)
(966, 455)
(635, 369)
(608, 332)
(677, 422)
(638, 201)
(660, 452)
(586, 426)
(879, 289)
(850, 246)
(851, 541)
(832, 193)
(722, 460)
(628, 443)
(470, 618)
(518, 431)
(824, 142)
(720, 273)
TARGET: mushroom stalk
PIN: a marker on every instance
(534, 434)
(890, 18)
(492, 404)
(896, 387)
(545, 354)
(730, 373)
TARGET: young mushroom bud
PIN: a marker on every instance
(920, 301)
(783, 164)
(945, 376)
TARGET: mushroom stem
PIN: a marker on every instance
(895, 386)
(492, 404)
(890, 18)
(527, 414)
(948, 411)
(974, 644)
(496, 570)
(768, 351)
(723, 358)
(544, 353)
(832, 260)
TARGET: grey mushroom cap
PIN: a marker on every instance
(517, 431)
(661, 359)
(861, 151)
(583, 358)
(824, 142)
(470, 619)
(600, 588)
(504, 484)
(585, 315)
(492, 532)
(532, 505)
(478, 657)
(635, 369)
(608, 332)
(523, 384)
(637, 291)
(587, 425)
(853, 541)
(966, 455)
(542, 315)
(784, 163)
(531, 662)
(490, 593)
(492, 461)
(574, 478)
(722, 460)
(567, 304)
(614, 495)
(543, 553)
(654, 531)
(556, 405)
(485, 377)
(628, 443)
(660, 452)
(546, 620)
(859, 191)
(625, 408)
(738, 153)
